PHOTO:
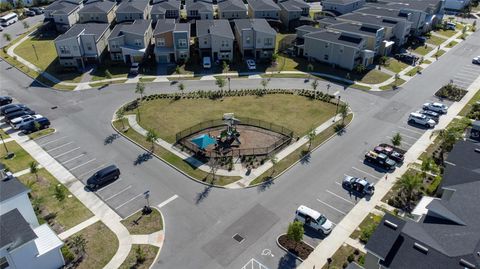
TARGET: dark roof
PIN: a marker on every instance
(130, 6)
(340, 2)
(62, 7)
(462, 164)
(138, 27)
(354, 265)
(199, 5)
(390, 13)
(422, 5)
(10, 186)
(258, 25)
(336, 37)
(257, 5)
(214, 27)
(162, 7)
(370, 19)
(308, 28)
(168, 25)
(293, 5)
(15, 230)
(97, 7)
(358, 28)
(385, 236)
(97, 29)
(232, 5)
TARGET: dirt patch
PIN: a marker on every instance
(299, 249)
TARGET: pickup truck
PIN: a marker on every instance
(380, 160)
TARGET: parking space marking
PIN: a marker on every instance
(338, 183)
(402, 134)
(60, 155)
(59, 147)
(366, 173)
(72, 159)
(94, 169)
(109, 185)
(468, 71)
(332, 207)
(338, 196)
(118, 193)
(336, 93)
(164, 203)
(413, 131)
(403, 142)
(55, 140)
(80, 165)
(135, 197)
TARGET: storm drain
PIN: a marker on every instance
(238, 238)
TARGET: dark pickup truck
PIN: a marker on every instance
(380, 160)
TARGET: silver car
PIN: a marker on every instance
(436, 107)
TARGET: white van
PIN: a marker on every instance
(8, 19)
(207, 64)
(313, 219)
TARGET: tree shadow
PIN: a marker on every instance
(142, 158)
(203, 194)
(287, 261)
(305, 157)
(109, 139)
(266, 184)
(312, 233)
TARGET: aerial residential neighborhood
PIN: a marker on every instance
(240, 134)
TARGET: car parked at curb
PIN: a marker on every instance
(30, 13)
(390, 152)
(313, 219)
(421, 119)
(5, 100)
(358, 185)
(12, 108)
(37, 10)
(436, 107)
(7, 106)
(35, 125)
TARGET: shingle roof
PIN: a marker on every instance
(129, 6)
(97, 7)
(97, 29)
(10, 187)
(370, 19)
(214, 27)
(336, 37)
(162, 7)
(358, 28)
(390, 13)
(258, 25)
(168, 25)
(421, 5)
(462, 165)
(293, 5)
(62, 7)
(199, 5)
(232, 5)
(138, 27)
(385, 236)
(340, 2)
(15, 230)
(259, 5)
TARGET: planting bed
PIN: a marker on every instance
(300, 249)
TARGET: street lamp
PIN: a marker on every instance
(336, 110)
(228, 83)
(8, 154)
(147, 209)
(35, 50)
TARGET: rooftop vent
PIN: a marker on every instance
(467, 264)
(390, 224)
(420, 248)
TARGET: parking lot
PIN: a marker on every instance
(120, 195)
(465, 75)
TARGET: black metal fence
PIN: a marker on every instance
(285, 139)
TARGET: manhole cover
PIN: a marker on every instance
(239, 238)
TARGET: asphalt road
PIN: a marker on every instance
(17, 28)
(201, 221)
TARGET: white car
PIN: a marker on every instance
(313, 219)
(436, 107)
(421, 119)
(476, 60)
(251, 64)
(20, 121)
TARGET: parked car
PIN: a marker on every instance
(476, 60)
(134, 68)
(207, 63)
(251, 64)
(20, 113)
(35, 125)
(421, 119)
(30, 13)
(37, 10)
(380, 160)
(20, 121)
(103, 177)
(436, 107)
(432, 115)
(313, 219)
(1, 29)
(5, 100)
(450, 26)
(406, 58)
(358, 185)
(390, 152)
(5, 108)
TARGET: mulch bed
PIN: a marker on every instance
(300, 249)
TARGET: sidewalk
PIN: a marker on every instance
(350, 222)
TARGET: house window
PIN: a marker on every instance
(182, 42)
(89, 46)
(205, 41)
(138, 42)
(247, 40)
(224, 43)
(3, 263)
(114, 45)
(64, 50)
(183, 55)
(206, 16)
(325, 57)
(341, 49)
(161, 42)
(268, 41)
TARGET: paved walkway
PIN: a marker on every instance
(24, 172)
(77, 228)
(350, 222)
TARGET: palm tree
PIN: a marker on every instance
(343, 110)
(25, 24)
(447, 138)
(408, 185)
(220, 82)
(177, 70)
(309, 69)
(120, 116)
(428, 165)
(225, 67)
(34, 169)
(7, 37)
(181, 87)
(314, 86)
(152, 137)
(311, 135)
(397, 140)
(140, 89)
(264, 84)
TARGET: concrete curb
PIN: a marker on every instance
(286, 250)
(43, 136)
(164, 234)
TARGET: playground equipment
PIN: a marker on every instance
(230, 135)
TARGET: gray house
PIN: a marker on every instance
(232, 9)
(98, 11)
(130, 42)
(215, 39)
(294, 13)
(265, 9)
(82, 44)
(172, 41)
(199, 10)
(167, 9)
(63, 13)
(445, 232)
(336, 48)
(373, 34)
(130, 10)
(339, 7)
(255, 38)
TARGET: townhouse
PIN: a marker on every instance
(172, 41)
(82, 44)
(263, 9)
(456, 5)
(98, 11)
(63, 13)
(255, 38)
(167, 9)
(294, 13)
(130, 10)
(339, 7)
(215, 39)
(373, 34)
(130, 42)
(199, 10)
(232, 9)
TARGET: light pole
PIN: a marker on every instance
(35, 50)
(336, 110)
(147, 208)
(8, 154)
(229, 83)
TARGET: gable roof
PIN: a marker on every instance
(336, 37)
(421, 5)
(97, 7)
(293, 5)
(214, 27)
(370, 19)
(138, 27)
(131, 6)
(232, 5)
(169, 25)
(384, 12)
(462, 165)
(10, 186)
(260, 5)
(96, 29)
(162, 7)
(258, 25)
(340, 2)
(201, 6)
(62, 7)
(15, 230)
(358, 28)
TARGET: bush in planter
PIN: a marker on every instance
(351, 258)
(345, 265)
(451, 92)
(367, 232)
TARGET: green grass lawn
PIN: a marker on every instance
(374, 76)
(452, 44)
(413, 72)
(435, 40)
(446, 33)
(116, 69)
(68, 212)
(5, 135)
(370, 219)
(144, 79)
(340, 256)
(426, 61)
(360, 87)
(468, 106)
(131, 261)
(169, 117)
(101, 84)
(422, 50)
(41, 133)
(140, 223)
(439, 53)
(395, 83)
(395, 65)
(20, 162)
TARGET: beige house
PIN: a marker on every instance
(130, 42)
(263, 9)
(215, 39)
(255, 38)
(131, 10)
(63, 13)
(172, 41)
(98, 11)
(232, 9)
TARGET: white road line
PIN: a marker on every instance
(109, 185)
(340, 211)
(336, 93)
(366, 173)
(338, 196)
(468, 71)
(402, 134)
(129, 200)
(118, 193)
(59, 147)
(470, 67)
(164, 203)
(94, 169)
(60, 155)
(416, 132)
(55, 140)
(338, 183)
(80, 165)
(74, 158)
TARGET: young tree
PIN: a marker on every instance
(108, 74)
(310, 69)
(79, 243)
(120, 114)
(152, 137)
(19, 4)
(181, 86)
(428, 165)
(25, 25)
(36, 126)
(314, 87)
(311, 136)
(408, 185)
(34, 169)
(383, 60)
(397, 140)
(177, 70)
(59, 192)
(220, 82)
(360, 69)
(140, 89)
(274, 58)
(7, 37)
(225, 67)
(274, 161)
(139, 255)
(295, 231)
(264, 84)
(343, 110)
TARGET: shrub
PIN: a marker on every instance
(367, 232)
(67, 254)
(351, 258)
(451, 92)
(339, 127)
(139, 255)
(356, 251)
(361, 260)
(345, 265)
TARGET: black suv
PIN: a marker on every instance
(406, 58)
(42, 123)
(19, 113)
(103, 177)
(5, 100)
